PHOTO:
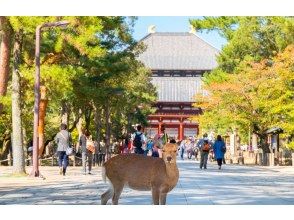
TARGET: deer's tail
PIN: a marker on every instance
(104, 174)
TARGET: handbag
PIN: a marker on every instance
(90, 146)
(69, 151)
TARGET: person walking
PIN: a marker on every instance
(182, 148)
(84, 142)
(125, 145)
(139, 140)
(160, 140)
(102, 152)
(63, 140)
(204, 147)
(149, 147)
(219, 149)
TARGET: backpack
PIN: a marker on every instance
(205, 147)
(137, 140)
(90, 146)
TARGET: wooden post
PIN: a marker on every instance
(292, 159)
(181, 131)
(159, 127)
(52, 160)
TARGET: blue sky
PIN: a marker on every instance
(173, 24)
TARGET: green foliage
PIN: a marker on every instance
(254, 37)
(252, 88)
(90, 63)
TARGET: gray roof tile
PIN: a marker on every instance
(178, 51)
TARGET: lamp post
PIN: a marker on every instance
(35, 171)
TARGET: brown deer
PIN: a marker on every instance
(139, 172)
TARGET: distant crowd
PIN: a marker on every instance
(93, 153)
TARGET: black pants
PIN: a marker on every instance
(219, 161)
(62, 160)
(101, 159)
(139, 150)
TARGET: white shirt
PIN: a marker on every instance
(143, 138)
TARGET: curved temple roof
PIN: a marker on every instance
(178, 51)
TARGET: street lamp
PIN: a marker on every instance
(35, 171)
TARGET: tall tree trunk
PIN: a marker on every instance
(97, 119)
(17, 142)
(80, 123)
(42, 114)
(254, 141)
(107, 134)
(64, 113)
(5, 50)
(88, 113)
(6, 147)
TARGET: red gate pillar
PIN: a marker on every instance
(159, 128)
(181, 131)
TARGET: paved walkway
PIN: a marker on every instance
(234, 184)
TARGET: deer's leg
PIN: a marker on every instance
(163, 198)
(118, 188)
(155, 195)
(107, 195)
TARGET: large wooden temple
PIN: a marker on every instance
(178, 61)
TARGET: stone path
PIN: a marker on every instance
(234, 184)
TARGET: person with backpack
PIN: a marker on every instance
(139, 140)
(219, 149)
(63, 140)
(160, 140)
(204, 147)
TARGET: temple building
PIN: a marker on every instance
(178, 60)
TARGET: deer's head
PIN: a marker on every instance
(169, 153)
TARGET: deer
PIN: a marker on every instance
(140, 172)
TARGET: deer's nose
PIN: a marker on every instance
(168, 158)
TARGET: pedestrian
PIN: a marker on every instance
(149, 147)
(182, 148)
(95, 155)
(189, 148)
(219, 149)
(160, 140)
(102, 152)
(139, 140)
(63, 140)
(125, 145)
(204, 147)
(85, 144)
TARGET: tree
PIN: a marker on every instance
(17, 136)
(5, 50)
(237, 99)
(80, 66)
(249, 38)
(257, 97)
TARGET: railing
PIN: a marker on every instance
(52, 159)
